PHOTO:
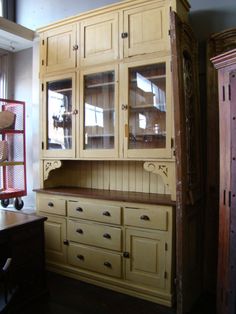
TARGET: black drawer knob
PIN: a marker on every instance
(66, 242)
(107, 264)
(80, 231)
(144, 217)
(106, 213)
(126, 254)
(124, 35)
(79, 209)
(50, 204)
(107, 236)
(80, 257)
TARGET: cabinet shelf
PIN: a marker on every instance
(62, 90)
(100, 135)
(100, 85)
(154, 77)
(145, 106)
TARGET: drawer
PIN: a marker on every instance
(94, 234)
(154, 218)
(97, 211)
(95, 260)
(51, 205)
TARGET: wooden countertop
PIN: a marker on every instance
(132, 197)
(10, 219)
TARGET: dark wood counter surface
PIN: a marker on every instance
(121, 196)
(11, 219)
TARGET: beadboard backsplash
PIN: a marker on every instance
(107, 175)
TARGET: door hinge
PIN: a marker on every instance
(43, 42)
(172, 144)
(126, 130)
(42, 62)
(42, 145)
(42, 87)
(170, 33)
(165, 275)
(166, 247)
(229, 91)
(223, 93)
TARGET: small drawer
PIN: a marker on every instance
(95, 260)
(154, 218)
(94, 234)
(97, 211)
(51, 205)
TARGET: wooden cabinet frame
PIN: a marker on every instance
(180, 162)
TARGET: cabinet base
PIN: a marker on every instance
(121, 286)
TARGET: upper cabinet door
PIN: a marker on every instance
(98, 112)
(59, 48)
(145, 29)
(99, 39)
(147, 109)
(59, 111)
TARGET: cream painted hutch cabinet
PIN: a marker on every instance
(120, 158)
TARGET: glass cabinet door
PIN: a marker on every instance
(148, 124)
(99, 114)
(59, 139)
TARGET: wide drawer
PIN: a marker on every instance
(95, 260)
(98, 211)
(94, 234)
(154, 218)
(51, 205)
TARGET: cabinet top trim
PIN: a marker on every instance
(110, 8)
(122, 196)
(224, 59)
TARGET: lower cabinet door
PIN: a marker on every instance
(94, 259)
(55, 235)
(145, 264)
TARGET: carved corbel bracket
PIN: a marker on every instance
(49, 165)
(167, 171)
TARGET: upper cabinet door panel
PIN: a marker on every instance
(147, 109)
(59, 112)
(99, 39)
(99, 111)
(60, 48)
(145, 29)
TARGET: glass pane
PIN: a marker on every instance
(99, 110)
(59, 111)
(147, 107)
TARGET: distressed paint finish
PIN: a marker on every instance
(226, 292)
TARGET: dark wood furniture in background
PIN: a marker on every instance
(226, 288)
(22, 240)
(217, 44)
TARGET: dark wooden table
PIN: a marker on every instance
(22, 239)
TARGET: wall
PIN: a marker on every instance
(37, 14)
